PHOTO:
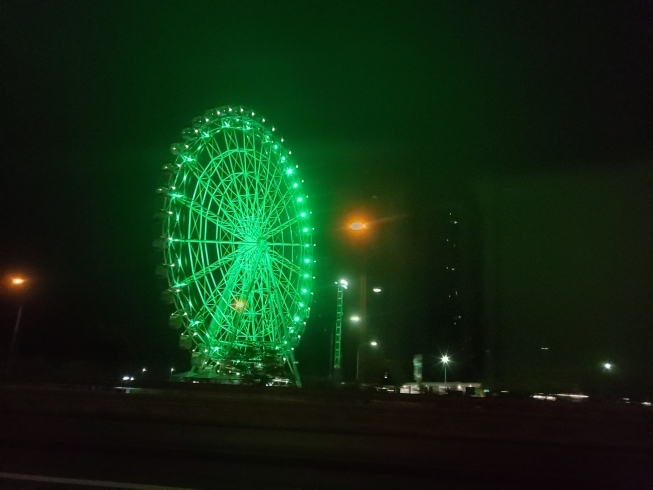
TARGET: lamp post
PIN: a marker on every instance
(360, 230)
(358, 357)
(143, 373)
(172, 370)
(445, 360)
(16, 282)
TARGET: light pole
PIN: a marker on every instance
(17, 282)
(445, 360)
(337, 338)
(172, 370)
(143, 374)
(358, 357)
(361, 232)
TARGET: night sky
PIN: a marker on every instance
(531, 120)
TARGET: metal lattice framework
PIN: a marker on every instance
(237, 246)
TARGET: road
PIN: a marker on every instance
(201, 456)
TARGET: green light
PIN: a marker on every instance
(296, 318)
(289, 171)
(295, 185)
(305, 230)
(303, 215)
(304, 290)
(307, 261)
(300, 199)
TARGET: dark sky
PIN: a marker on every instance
(533, 119)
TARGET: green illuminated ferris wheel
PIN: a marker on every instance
(237, 246)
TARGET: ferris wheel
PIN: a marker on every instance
(237, 247)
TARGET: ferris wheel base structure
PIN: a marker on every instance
(237, 248)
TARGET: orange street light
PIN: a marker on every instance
(358, 226)
(17, 281)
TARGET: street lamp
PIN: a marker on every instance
(172, 370)
(358, 358)
(17, 282)
(355, 318)
(143, 373)
(445, 361)
(376, 290)
(607, 366)
(358, 226)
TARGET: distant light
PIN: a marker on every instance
(607, 366)
(548, 398)
(355, 318)
(144, 369)
(544, 348)
(240, 304)
(373, 343)
(289, 171)
(131, 379)
(17, 280)
(445, 359)
(376, 290)
(125, 378)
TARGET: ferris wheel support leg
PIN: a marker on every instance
(293, 368)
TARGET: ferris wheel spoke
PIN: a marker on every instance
(287, 281)
(211, 191)
(222, 302)
(205, 214)
(278, 206)
(280, 228)
(282, 261)
(208, 269)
